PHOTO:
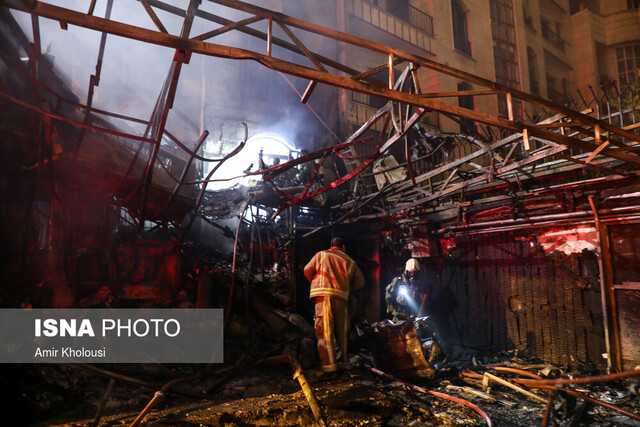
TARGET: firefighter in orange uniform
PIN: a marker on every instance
(332, 274)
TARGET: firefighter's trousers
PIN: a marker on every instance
(332, 325)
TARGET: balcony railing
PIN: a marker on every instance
(421, 20)
(418, 30)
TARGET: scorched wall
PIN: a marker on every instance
(501, 291)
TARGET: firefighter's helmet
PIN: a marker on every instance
(412, 265)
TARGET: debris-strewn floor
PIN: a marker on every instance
(261, 395)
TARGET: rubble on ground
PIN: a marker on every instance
(244, 391)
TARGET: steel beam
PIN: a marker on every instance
(149, 36)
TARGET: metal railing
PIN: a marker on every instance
(421, 20)
(414, 26)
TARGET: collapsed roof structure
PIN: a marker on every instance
(510, 214)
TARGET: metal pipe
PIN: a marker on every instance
(351, 212)
(472, 375)
(583, 380)
(513, 370)
(291, 256)
(595, 98)
(620, 108)
(607, 281)
(34, 54)
(252, 243)
(308, 393)
(466, 403)
(104, 372)
(321, 153)
(92, 7)
(603, 285)
(266, 37)
(316, 169)
(152, 122)
(480, 181)
(188, 151)
(185, 171)
(233, 264)
(606, 95)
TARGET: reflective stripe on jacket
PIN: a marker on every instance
(330, 273)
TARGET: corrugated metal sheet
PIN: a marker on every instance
(509, 294)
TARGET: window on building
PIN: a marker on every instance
(628, 62)
(533, 71)
(505, 51)
(552, 33)
(528, 17)
(466, 101)
(460, 28)
(556, 90)
(633, 4)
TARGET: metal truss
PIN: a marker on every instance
(529, 149)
